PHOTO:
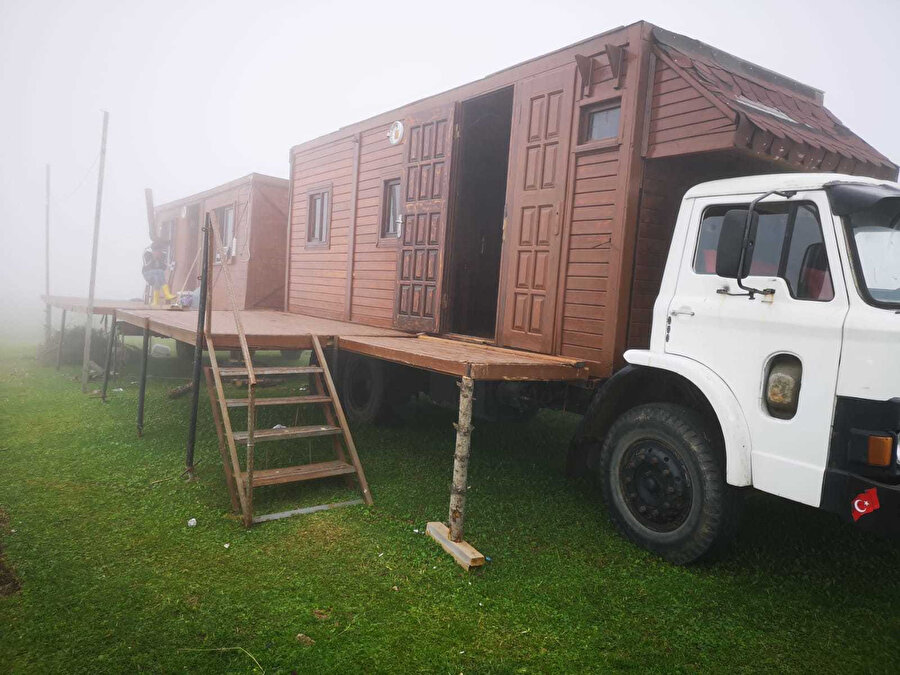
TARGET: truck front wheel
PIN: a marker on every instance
(664, 484)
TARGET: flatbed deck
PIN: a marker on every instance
(102, 307)
(269, 329)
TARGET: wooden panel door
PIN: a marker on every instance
(426, 185)
(536, 191)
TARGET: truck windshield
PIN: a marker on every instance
(875, 235)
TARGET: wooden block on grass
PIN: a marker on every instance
(464, 553)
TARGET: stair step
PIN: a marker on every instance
(277, 400)
(241, 371)
(294, 474)
(288, 432)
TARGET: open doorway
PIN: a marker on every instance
(476, 234)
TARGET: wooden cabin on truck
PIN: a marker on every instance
(251, 213)
(533, 208)
(526, 235)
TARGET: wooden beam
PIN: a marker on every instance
(351, 230)
(89, 323)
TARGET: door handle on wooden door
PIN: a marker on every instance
(556, 217)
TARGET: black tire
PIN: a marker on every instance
(663, 482)
(184, 351)
(362, 389)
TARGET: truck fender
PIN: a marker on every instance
(735, 431)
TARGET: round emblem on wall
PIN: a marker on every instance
(395, 133)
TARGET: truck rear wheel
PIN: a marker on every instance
(362, 389)
(664, 483)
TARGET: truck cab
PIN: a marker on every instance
(773, 364)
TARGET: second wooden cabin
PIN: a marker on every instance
(251, 213)
(533, 209)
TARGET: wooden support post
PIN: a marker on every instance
(89, 324)
(48, 328)
(451, 538)
(461, 460)
(142, 384)
(110, 352)
(62, 336)
(198, 353)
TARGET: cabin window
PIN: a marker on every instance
(225, 220)
(391, 217)
(788, 244)
(318, 217)
(600, 122)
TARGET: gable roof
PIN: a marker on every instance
(776, 116)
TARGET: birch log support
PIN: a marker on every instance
(142, 384)
(451, 538)
(62, 336)
(461, 460)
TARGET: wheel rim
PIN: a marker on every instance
(360, 390)
(656, 485)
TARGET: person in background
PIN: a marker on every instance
(154, 271)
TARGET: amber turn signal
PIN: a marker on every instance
(880, 450)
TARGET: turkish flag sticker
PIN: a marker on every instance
(864, 503)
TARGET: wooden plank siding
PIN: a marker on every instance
(260, 219)
(682, 117)
(375, 259)
(318, 273)
(269, 212)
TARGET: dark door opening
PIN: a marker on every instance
(476, 235)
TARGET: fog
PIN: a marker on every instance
(200, 93)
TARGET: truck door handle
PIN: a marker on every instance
(682, 311)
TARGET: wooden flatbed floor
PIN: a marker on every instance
(270, 329)
(264, 328)
(102, 307)
(459, 358)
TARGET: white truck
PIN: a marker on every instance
(774, 363)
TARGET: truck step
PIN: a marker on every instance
(241, 371)
(261, 435)
(277, 400)
(294, 474)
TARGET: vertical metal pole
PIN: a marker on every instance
(86, 360)
(49, 311)
(461, 460)
(62, 335)
(110, 349)
(143, 380)
(198, 351)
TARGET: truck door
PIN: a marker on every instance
(796, 254)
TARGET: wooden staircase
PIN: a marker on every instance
(243, 481)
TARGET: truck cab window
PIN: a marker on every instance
(788, 244)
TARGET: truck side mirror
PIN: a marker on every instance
(731, 243)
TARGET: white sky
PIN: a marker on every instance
(203, 92)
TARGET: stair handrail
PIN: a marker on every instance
(212, 221)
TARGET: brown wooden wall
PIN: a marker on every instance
(268, 228)
(238, 265)
(682, 118)
(318, 274)
(257, 268)
(374, 259)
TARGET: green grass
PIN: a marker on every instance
(112, 579)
